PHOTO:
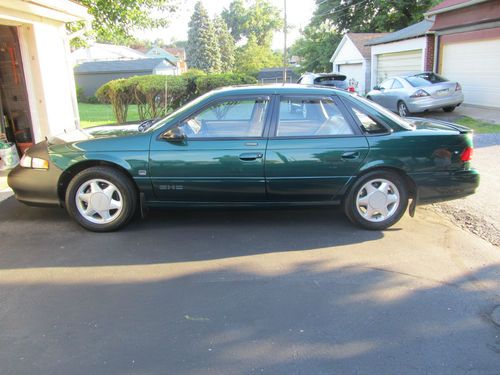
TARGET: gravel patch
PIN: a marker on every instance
(472, 222)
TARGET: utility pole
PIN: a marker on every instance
(284, 48)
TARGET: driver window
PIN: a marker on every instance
(228, 119)
(311, 117)
(387, 84)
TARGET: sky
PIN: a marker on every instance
(299, 13)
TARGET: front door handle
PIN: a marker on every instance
(248, 156)
(350, 155)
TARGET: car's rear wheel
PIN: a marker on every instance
(377, 200)
(101, 199)
(449, 109)
(403, 110)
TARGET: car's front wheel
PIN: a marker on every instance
(377, 200)
(101, 199)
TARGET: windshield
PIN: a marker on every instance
(406, 124)
(425, 79)
(178, 111)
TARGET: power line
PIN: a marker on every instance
(340, 8)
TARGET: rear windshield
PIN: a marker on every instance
(337, 81)
(425, 79)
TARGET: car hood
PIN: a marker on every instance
(105, 131)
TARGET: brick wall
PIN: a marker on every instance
(429, 53)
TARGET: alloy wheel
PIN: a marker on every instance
(99, 201)
(377, 200)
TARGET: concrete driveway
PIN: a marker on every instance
(243, 292)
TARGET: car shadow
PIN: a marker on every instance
(47, 237)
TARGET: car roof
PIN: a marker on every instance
(289, 88)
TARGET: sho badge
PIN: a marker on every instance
(171, 187)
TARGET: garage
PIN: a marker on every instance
(355, 74)
(475, 65)
(398, 63)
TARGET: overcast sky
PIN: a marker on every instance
(298, 11)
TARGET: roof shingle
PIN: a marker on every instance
(412, 31)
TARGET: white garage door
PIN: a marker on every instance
(398, 63)
(354, 72)
(476, 66)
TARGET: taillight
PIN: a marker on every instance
(351, 89)
(458, 87)
(467, 154)
(419, 94)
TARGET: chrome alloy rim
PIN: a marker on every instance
(402, 110)
(99, 201)
(377, 200)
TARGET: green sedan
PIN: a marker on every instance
(285, 145)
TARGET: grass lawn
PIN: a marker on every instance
(102, 114)
(480, 127)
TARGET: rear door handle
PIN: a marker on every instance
(248, 156)
(350, 155)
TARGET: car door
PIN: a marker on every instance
(213, 155)
(394, 95)
(314, 149)
(382, 95)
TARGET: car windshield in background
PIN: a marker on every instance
(425, 79)
(336, 81)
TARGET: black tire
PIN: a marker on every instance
(449, 109)
(369, 98)
(403, 110)
(350, 204)
(125, 187)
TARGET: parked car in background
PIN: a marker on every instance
(336, 80)
(417, 93)
(278, 145)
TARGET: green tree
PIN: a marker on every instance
(371, 15)
(226, 44)
(114, 20)
(316, 47)
(261, 19)
(235, 18)
(253, 57)
(202, 48)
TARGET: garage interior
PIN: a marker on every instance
(15, 119)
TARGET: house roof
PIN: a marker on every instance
(412, 31)
(111, 66)
(360, 40)
(448, 5)
(179, 52)
(160, 52)
(101, 51)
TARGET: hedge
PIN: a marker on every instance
(148, 92)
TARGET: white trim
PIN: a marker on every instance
(339, 47)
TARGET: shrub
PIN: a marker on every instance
(91, 99)
(80, 95)
(119, 94)
(210, 82)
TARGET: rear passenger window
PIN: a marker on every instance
(368, 123)
(311, 117)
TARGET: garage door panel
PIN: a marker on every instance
(398, 63)
(476, 66)
(354, 71)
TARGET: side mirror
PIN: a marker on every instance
(377, 87)
(174, 135)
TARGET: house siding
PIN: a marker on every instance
(90, 82)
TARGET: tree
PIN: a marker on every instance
(316, 47)
(235, 18)
(114, 20)
(261, 19)
(202, 48)
(253, 57)
(371, 15)
(226, 44)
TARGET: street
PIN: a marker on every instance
(245, 291)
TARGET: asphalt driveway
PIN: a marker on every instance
(245, 291)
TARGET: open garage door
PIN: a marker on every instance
(475, 65)
(398, 63)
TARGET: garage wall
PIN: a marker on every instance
(405, 56)
(354, 72)
(475, 64)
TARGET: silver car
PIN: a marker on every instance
(417, 93)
